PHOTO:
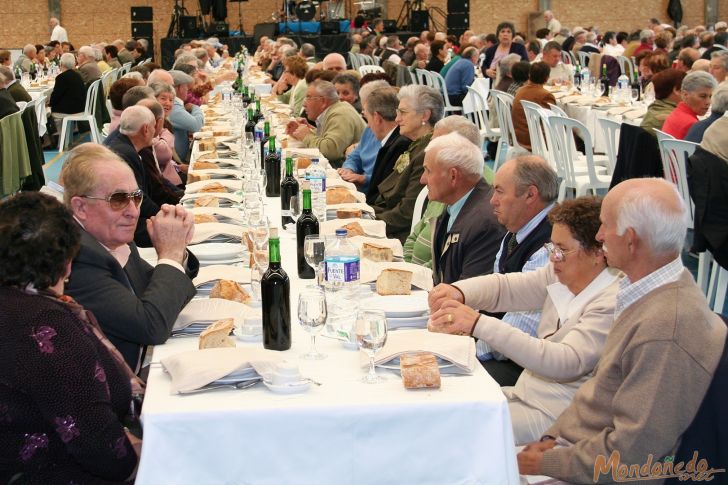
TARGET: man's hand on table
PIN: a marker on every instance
(350, 176)
(170, 231)
(531, 457)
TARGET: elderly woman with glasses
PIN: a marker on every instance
(65, 388)
(576, 294)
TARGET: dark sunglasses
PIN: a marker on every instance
(119, 200)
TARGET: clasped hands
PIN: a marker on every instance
(171, 230)
(298, 128)
(448, 313)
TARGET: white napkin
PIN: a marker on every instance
(339, 182)
(352, 206)
(211, 309)
(208, 230)
(222, 162)
(635, 114)
(216, 272)
(231, 185)
(219, 172)
(456, 349)
(421, 276)
(394, 244)
(229, 212)
(371, 227)
(198, 368)
(619, 110)
(228, 196)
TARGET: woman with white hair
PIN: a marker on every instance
(503, 77)
(696, 92)
(718, 107)
(69, 92)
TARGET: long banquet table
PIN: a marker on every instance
(342, 432)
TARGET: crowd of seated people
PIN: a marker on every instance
(572, 304)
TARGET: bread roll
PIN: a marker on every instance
(339, 195)
(348, 213)
(196, 177)
(208, 156)
(376, 253)
(220, 132)
(229, 290)
(207, 201)
(202, 218)
(202, 165)
(394, 282)
(302, 163)
(206, 145)
(214, 187)
(217, 335)
(419, 371)
(354, 229)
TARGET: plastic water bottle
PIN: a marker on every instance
(623, 87)
(316, 176)
(341, 269)
(585, 79)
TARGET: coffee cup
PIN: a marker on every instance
(286, 373)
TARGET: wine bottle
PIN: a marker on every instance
(250, 125)
(289, 188)
(306, 225)
(273, 170)
(258, 112)
(275, 291)
(246, 96)
(605, 81)
(264, 143)
(238, 83)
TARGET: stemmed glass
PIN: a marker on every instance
(371, 335)
(295, 206)
(634, 95)
(262, 179)
(312, 316)
(313, 250)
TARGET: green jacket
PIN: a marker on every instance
(656, 115)
(341, 127)
(298, 92)
(14, 158)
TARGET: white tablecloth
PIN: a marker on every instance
(589, 116)
(41, 111)
(343, 432)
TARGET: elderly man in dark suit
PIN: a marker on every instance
(467, 235)
(136, 304)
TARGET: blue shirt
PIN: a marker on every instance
(459, 77)
(696, 132)
(454, 210)
(362, 159)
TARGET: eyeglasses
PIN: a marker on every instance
(312, 97)
(403, 112)
(557, 253)
(119, 200)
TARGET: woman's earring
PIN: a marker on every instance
(424, 123)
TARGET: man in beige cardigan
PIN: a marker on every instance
(659, 357)
(338, 125)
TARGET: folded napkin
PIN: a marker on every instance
(197, 368)
(421, 276)
(226, 212)
(371, 227)
(352, 206)
(200, 135)
(216, 272)
(453, 349)
(209, 230)
(220, 195)
(217, 172)
(393, 244)
(224, 162)
(561, 94)
(207, 310)
(230, 185)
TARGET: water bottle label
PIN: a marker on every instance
(342, 271)
(317, 184)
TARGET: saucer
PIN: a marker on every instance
(289, 388)
(249, 338)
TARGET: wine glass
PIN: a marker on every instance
(313, 250)
(312, 317)
(262, 179)
(371, 335)
(634, 95)
(259, 228)
(295, 206)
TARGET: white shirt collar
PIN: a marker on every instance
(384, 140)
(569, 305)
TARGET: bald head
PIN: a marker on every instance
(160, 76)
(334, 62)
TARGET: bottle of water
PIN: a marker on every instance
(623, 88)
(585, 80)
(341, 263)
(316, 176)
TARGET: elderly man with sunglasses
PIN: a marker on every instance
(136, 304)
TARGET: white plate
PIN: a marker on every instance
(211, 309)
(237, 259)
(216, 251)
(290, 388)
(408, 322)
(394, 364)
(399, 306)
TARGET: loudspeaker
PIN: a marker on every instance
(330, 27)
(142, 29)
(419, 21)
(390, 26)
(458, 20)
(219, 29)
(268, 30)
(189, 27)
(458, 6)
(141, 14)
(219, 10)
(205, 6)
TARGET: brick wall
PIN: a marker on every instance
(23, 22)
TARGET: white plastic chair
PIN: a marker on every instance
(439, 83)
(125, 68)
(626, 66)
(424, 77)
(562, 134)
(610, 130)
(366, 60)
(601, 161)
(675, 154)
(107, 79)
(584, 58)
(88, 116)
(354, 60)
(368, 69)
(661, 135)
(419, 205)
(565, 57)
(716, 291)
(535, 132)
(479, 116)
(503, 109)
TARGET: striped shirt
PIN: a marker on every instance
(630, 292)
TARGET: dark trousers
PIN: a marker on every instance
(504, 372)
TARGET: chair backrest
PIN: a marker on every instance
(565, 57)
(610, 132)
(479, 115)
(661, 135)
(534, 128)
(558, 111)
(354, 60)
(503, 109)
(626, 66)
(439, 84)
(367, 69)
(675, 154)
(125, 69)
(562, 135)
(366, 60)
(419, 205)
(91, 95)
(424, 77)
(107, 80)
(583, 58)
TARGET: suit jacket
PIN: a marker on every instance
(69, 93)
(469, 248)
(123, 147)
(342, 126)
(18, 92)
(89, 72)
(136, 305)
(399, 190)
(386, 156)
(638, 155)
(7, 104)
(528, 92)
(114, 63)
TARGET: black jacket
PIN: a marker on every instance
(69, 93)
(637, 156)
(388, 154)
(136, 305)
(7, 104)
